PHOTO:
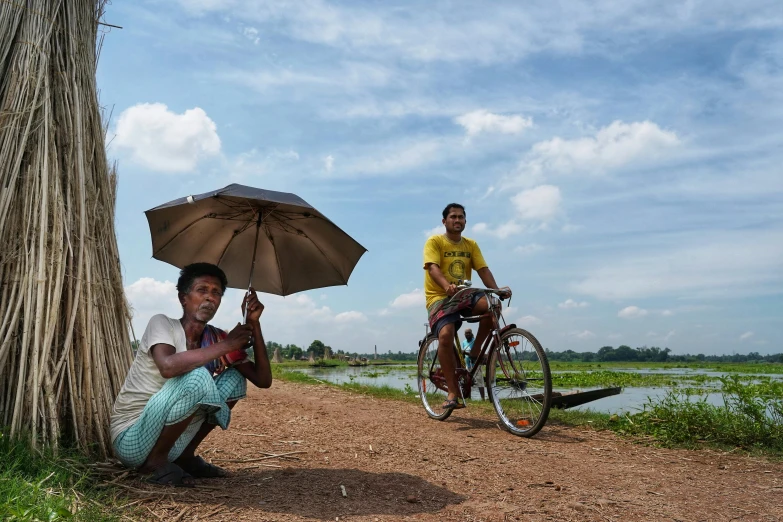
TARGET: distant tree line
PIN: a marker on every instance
(625, 353)
(622, 353)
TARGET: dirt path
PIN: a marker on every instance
(393, 462)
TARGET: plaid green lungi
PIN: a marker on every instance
(179, 398)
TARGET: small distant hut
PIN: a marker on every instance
(277, 358)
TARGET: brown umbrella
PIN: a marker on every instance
(273, 241)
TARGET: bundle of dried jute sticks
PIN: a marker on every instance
(64, 342)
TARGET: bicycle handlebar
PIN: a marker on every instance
(465, 284)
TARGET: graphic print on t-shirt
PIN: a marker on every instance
(456, 267)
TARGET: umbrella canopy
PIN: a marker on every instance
(275, 241)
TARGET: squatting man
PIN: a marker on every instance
(186, 377)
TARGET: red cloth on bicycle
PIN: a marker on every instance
(452, 305)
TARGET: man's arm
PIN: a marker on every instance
(489, 280)
(171, 364)
(437, 275)
(260, 372)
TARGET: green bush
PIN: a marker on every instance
(751, 417)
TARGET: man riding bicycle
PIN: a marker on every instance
(448, 259)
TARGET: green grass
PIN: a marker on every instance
(770, 368)
(41, 486)
(601, 377)
(751, 419)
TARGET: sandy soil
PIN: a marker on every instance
(395, 463)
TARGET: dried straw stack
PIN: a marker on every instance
(64, 346)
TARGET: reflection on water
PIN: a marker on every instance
(397, 377)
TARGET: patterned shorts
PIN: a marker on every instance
(179, 398)
(452, 310)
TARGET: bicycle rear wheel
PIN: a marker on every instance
(520, 383)
(432, 384)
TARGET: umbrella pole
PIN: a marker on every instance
(253, 263)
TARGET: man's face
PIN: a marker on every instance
(201, 302)
(455, 221)
(469, 336)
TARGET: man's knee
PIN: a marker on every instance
(231, 385)
(197, 380)
(446, 333)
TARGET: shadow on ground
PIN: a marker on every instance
(316, 492)
(549, 433)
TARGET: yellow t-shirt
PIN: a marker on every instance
(456, 261)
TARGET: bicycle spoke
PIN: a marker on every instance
(522, 389)
(431, 382)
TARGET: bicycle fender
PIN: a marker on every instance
(507, 328)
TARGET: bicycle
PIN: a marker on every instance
(516, 372)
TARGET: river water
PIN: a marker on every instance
(631, 399)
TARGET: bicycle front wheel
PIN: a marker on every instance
(520, 383)
(432, 383)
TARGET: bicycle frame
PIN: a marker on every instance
(490, 343)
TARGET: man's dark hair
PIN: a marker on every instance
(450, 206)
(189, 274)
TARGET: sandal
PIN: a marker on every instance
(170, 475)
(452, 404)
(200, 468)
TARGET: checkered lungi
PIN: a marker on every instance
(179, 398)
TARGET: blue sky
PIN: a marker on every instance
(620, 161)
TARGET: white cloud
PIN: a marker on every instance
(529, 249)
(251, 33)
(669, 335)
(614, 336)
(632, 312)
(412, 299)
(479, 121)
(570, 303)
(149, 297)
(528, 321)
(745, 336)
(505, 33)
(584, 334)
(541, 203)
(538, 205)
(347, 77)
(434, 231)
(329, 163)
(350, 317)
(725, 263)
(254, 163)
(393, 158)
(612, 147)
(165, 141)
(502, 231)
(667, 313)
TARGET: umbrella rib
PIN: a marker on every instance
(322, 252)
(245, 226)
(158, 251)
(277, 258)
